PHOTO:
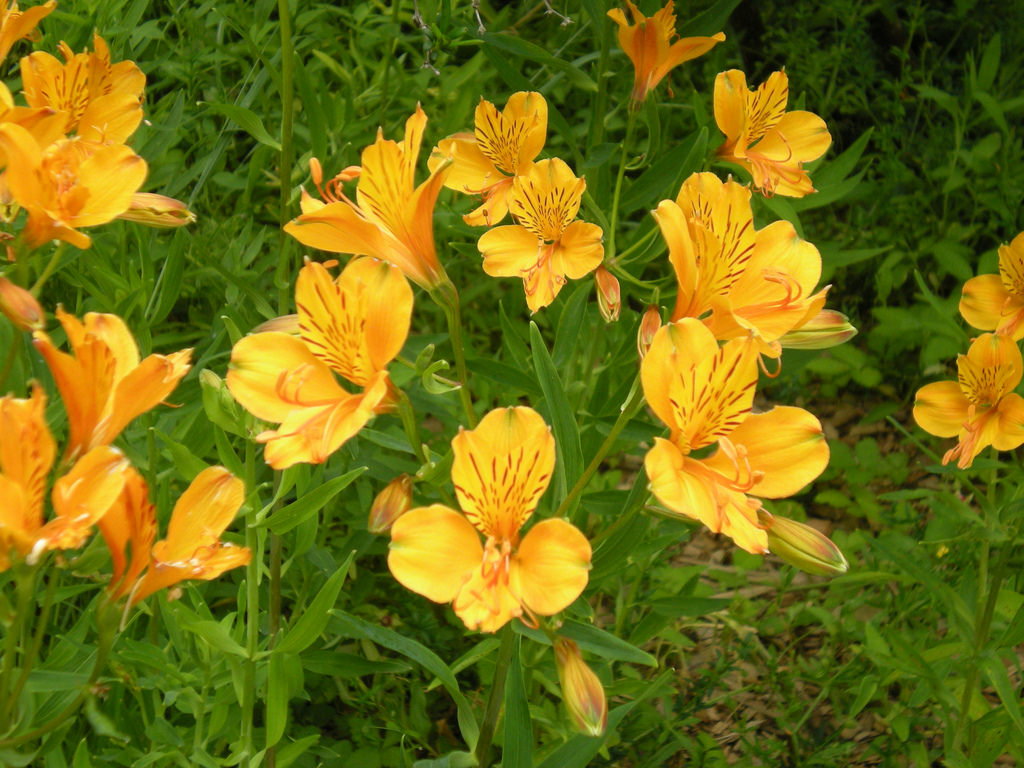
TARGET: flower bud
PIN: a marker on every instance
(21, 307)
(284, 324)
(826, 329)
(609, 300)
(390, 504)
(801, 545)
(581, 690)
(157, 211)
(649, 325)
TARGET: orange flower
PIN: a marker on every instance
(80, 497)
(20, 306)
(981, 408)
(391, 220)
(100, 101)
(192, 549)
(15, 24)
(996, 302)
(770, 143)
(546, 246)
(354, 327)
(649, 46)
(704, 394)
(102, 382)
(500, 471)
(129, 527)
(502, 146)
(71, 183)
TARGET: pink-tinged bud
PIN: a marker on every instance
(157, 211)
(649, 325)
(21, 307)
(609, 300)
(802, 546)
(390, 504)
(581, 690)
(285, 324)
(826, 329)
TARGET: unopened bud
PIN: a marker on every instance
(649, 325)
(826, 329)
(390, 504)
(219, 405)
(157, 211)
(21, 307)
(609, 299)
(802, 546)
(582, 692)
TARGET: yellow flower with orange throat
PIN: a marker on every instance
(762, 137)
(500, 471)
(548, 244)
(353, 327)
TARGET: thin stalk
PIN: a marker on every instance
(496, 696)
(24, 588)
(448, 298)
(252, 610)
(274, 616)
(287, 117)
(408, 417)
(628, 411)
(630, 125)
(42, 622)
(48, 270)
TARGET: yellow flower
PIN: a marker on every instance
(354, 327)
(80, 497)
(500, 471)
(102, 382)
(981, 408)
(70, 184)
(502, 146)
(770, 143)
(390, 220)
(100, 101)
(758, 282)
(547, 245)
(704, 394)
(16, 24)
(648, 43)
(996, 302)
(192, 549)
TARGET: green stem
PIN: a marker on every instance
(24, 581)
(12, 354)
(496, 697)
(273, 617)
(408, 416)
(628, 411)
(48, 270)
(252, 609)
(42, 622)
(287, 116)
(448, 298)
(630, 124)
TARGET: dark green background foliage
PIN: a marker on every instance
(710, 656)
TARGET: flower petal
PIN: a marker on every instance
(550, 569)
(434, 551)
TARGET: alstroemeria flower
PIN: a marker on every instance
(128, 529)
(648, 43)
(72, 183)
(101, 102)
(981, 408)
(102, 382)
(16, 24)
(80, 497)
(500, 471)
(762, 137)
(352, 327)
(758, 282)
(546, 245)
(390, 220)
(193, 549)
(996, 302)
(704, 394)
(502, 146)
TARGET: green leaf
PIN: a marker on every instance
(663, 179)
(214, 633)
(570, 323)
(315, 616)
(451, 760)
(1008, 693)
(289, 753)
(277, 699)
(524, 49)
(594, 640)
(308, 504)
(517, 751)
(709, 22)
(567, 434)
(245, 119)
(423, 656)
(100, 723)
(187, 463)
(17, 759)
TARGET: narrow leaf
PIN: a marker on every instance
(308, 504)
(314, 618)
